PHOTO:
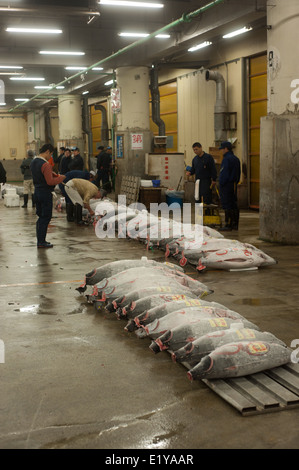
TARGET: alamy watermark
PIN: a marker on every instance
(2, 352)
(135, 221)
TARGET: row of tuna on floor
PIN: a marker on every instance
(159, 301)
(198, 245)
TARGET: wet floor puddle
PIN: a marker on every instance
(258, 302)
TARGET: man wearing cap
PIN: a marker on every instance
(229, 177)
(70, 207)
(104, 167)
(44, 180)
(203, 165)
(77, 162)
(80, 191)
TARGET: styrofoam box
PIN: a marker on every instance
(11, 192)
(11, 201)
(146, 183)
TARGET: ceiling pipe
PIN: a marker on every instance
(185, 18)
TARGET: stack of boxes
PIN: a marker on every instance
(11, 198)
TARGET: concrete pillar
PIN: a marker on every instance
(132, 120)
(70, 121)
(282, 44)
(279, 152)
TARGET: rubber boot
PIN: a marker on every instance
(70, 212)
(236, 219)
(25, 200)
(228, 221)
(33, 200)
(78, 214)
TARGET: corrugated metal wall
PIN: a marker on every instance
(168, 113)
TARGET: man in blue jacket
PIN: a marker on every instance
(229, 177)
(203, 165)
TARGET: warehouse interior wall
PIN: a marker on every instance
(191, 105)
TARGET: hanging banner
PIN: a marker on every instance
(115, 100)
(136, 141)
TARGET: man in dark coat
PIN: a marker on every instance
(104, 168)
(44, 180)
(65, 162)
(229, 177)
(204, 168)
(77, 162)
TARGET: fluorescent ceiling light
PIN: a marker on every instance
(11, 73)
(142, 35)
(85, 92)
(47, 87)
(36, 79)
(134, 35)
(14, 67)
(199, 46)
(61, 53)
(75, 68)
(34, 30)
(237, 32)
(125, 3)
(109, 82)
(21, 99)
(97, 68)
(2, 104)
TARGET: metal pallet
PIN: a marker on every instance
(130, 186)
(272, 390)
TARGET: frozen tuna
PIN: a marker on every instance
(123, 281)
(110, 269)
(188, 316)
(194, 351)
(218, 310)
(169, 293)
(178, 337)
(239, 359)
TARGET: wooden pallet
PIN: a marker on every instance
(130, 186)
(272, 390)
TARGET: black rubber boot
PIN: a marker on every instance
(25, 200)
(70, 212)
(236, 219)
(78, 214)
(228, 221)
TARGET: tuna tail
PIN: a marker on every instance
(182, 354)
(154, 347)
(81, 289)
(130, 326)
(201, 370)
(110, 307)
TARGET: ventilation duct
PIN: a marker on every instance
(48, 128)
(104, 126)
(220, 108)
(86, 127)
(154, 87)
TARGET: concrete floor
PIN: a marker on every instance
(74, 379)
